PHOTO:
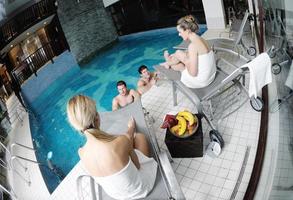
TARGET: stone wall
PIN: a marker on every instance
(87, 27)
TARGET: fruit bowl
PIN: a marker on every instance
(189, 130)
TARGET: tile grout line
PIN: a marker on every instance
(241, 173)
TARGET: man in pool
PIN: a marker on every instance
(124, 97)
(147, 80)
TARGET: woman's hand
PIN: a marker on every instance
(131, 123)
(153, 81)
(131, 129)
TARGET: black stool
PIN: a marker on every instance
(189, 147)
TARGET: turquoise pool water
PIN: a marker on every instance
(97, 79)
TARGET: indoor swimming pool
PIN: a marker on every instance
(97, 79)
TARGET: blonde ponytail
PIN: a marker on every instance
(83, 116)
(101, 135)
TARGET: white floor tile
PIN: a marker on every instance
(225, 194)
(181, 170)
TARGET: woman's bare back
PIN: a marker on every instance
(200, 46)
(105, 158)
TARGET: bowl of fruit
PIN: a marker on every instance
(184, 124)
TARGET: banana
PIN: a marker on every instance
(175, 129)
(188, 116)
(183, 125)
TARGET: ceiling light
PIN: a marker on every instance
(27, 33)
(11, 45)
(45, 23)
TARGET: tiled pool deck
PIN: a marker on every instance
(224, 177)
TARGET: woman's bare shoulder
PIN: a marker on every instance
(200, 46)
(122, 140)
(193, 48)
(122, 146)
(192, 45)
(205, 44)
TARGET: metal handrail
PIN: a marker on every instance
(18, 158)
(23, 158)
(10, 193)
(13, 157)
(6, 150)
(33, 62)
(21, 145)
(92, 187)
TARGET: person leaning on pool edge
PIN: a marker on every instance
(147, 79)
(120, 164)
(124, 97)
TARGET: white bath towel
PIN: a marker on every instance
(289, 80)
(206, 72)
(260, 73)
(130, 183)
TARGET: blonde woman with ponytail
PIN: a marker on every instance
(197, 64)
(121, 163)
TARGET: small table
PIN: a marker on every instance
(189, 147)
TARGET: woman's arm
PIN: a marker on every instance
(134, 157)
(130, 136)
(192, 61)
(131, 130)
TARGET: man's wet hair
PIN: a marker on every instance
(121, 83)
(142, 67)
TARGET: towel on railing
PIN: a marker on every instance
(260, 73)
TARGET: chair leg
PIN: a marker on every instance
(208, 121)
(211, 109)
(169, 156)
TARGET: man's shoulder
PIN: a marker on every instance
(132, 91)
(141, 81)
(116, 99)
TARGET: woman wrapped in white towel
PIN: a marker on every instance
(119, 164)
(197, 64)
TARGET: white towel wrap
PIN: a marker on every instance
(130, 183)
(260, 73)
(206, 72)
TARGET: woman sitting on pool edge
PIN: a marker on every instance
(197, 64)
(116, 162)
